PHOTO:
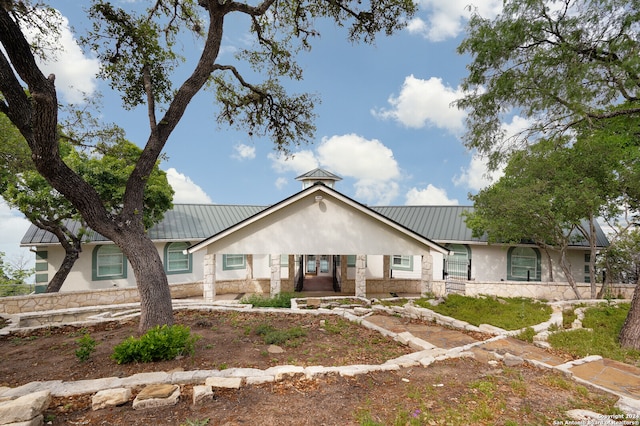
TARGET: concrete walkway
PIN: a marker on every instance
(611, 376)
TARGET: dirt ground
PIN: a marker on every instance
(450, 392)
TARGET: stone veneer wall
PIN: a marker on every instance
(533, 289)
(78, 299)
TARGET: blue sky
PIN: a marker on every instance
(384, 123)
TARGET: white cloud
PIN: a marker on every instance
(186, 191)
(13, 226)
(75, 73)
(426, 103)
(476, 176)
(445, 19)
(299, 162)
(244, 152)
(281, 182)
(369, 162)
(430, 195)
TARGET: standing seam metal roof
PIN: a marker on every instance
(195, 222)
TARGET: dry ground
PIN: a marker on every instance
(453, 392)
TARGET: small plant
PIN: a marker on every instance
(87, 345)
(189, 422)
(160, 343)
(526, 334)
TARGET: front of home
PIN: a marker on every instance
(315, 234)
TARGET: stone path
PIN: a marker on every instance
(431, 343)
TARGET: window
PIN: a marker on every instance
(108, 263)
(401, 263)
(233, 261)
(523, 263)
(175, 261)
(587, 270)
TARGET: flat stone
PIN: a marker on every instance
(152, 402)
(24, 408)
(512, 360)
(110, 398)
(36, 421)
(224, 382)
(156, 391)
(275, 349)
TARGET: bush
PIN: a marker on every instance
(160, 343)
(87, 347)
(282, 300)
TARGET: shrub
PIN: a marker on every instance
(282, 300)
(160, 343)
(87, 347)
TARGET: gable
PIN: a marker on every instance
(318, 220)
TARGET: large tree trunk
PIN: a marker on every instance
(153, 286)
(630, 334)
(72, 250)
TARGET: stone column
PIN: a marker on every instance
(427, 274)
(209, 283)
(361, 275)
(386, 267)
(276, 280)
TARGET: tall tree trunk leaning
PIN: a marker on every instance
(630, 332)
(72, 251)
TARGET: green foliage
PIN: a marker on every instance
(158, 344)
(546, 63)
(507, 313)
(87, 345)
(602, 325)
(13, 278)
(526, 334)
(281, 300)
(273, 336)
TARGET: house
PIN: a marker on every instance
(313, 237)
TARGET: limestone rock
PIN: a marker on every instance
(36, 421)
(275, 349)
(157, 396)
(224, 382)
(110, 398)
(512, 360)
(25, 408)
(201, 394)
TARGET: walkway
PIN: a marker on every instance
(609, 375)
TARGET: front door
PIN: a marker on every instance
(318, 264)
(312, 266)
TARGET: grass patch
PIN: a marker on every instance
(282, 300)
(604, 323)
(511, 313)
(526, 334)
(289, 337)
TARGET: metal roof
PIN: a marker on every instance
(195, 222)
(320, 174)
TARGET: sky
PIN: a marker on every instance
(385, 123)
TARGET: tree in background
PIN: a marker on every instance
(107, 167)
(138, 60)
(550, 194)
(13, 277)
(561, 66)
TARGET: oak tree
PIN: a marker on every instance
(136, 49)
